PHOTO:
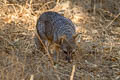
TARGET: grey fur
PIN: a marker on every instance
(52, 26)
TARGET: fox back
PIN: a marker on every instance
(55, 28)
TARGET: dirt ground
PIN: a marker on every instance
(98, 57)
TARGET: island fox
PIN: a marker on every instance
(57, 31)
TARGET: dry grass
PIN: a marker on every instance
(98, 57)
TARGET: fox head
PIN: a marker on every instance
(68, 46)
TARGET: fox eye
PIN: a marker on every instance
(65, 51)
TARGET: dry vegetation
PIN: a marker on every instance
(99, 49)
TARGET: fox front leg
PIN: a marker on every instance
(55, 56)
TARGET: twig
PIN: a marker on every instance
(51, 60)
(32, 77)
(45, 49)
(113, 20)
(72, 74)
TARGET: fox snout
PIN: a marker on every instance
(68, 57)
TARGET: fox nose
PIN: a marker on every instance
(68, 58)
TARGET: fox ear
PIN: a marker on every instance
(77, 36)
(62, 38)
